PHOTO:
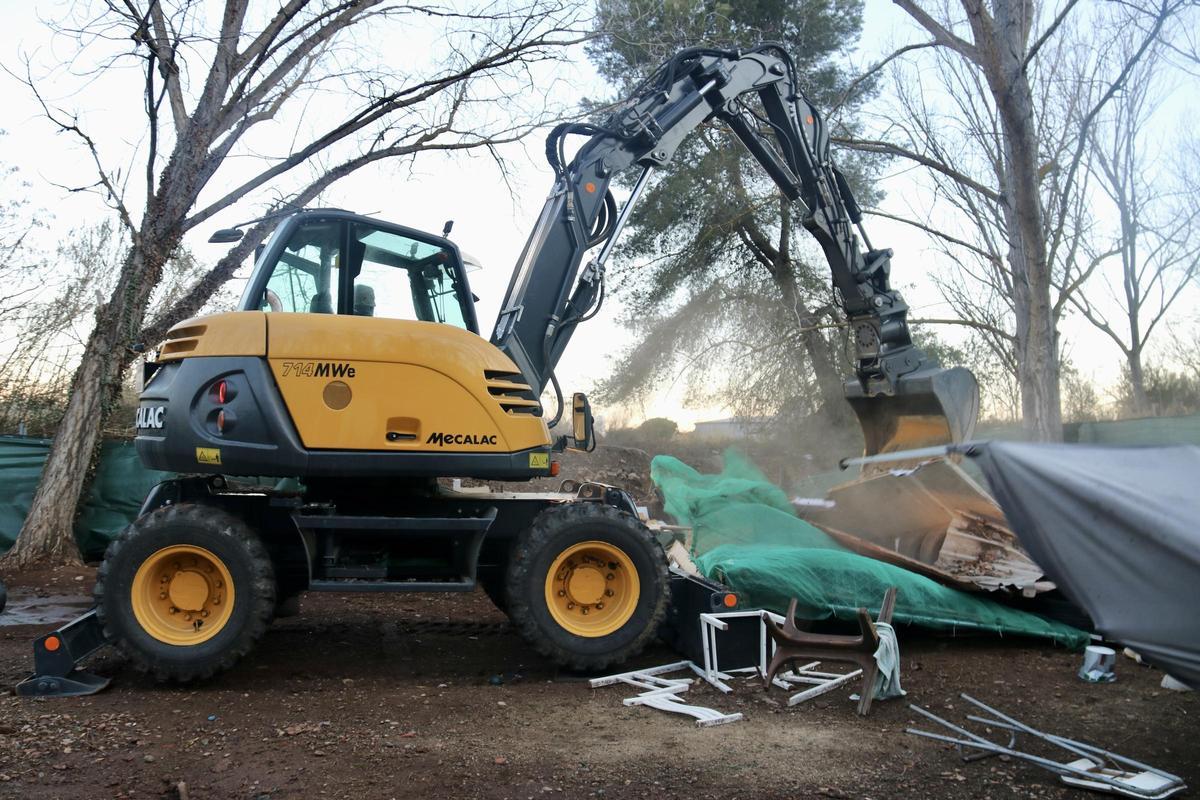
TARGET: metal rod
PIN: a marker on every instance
(1026, 729)
(1062, 769)
(951, 726)
(623, 217)
(968, 448)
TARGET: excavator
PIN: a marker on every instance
(310, 428)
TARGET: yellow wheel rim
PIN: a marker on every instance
(182, 595)
(592, 589)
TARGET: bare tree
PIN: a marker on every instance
(994, 52)
(18, 259)
(1156, 246)
(205, 89)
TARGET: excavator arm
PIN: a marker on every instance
(901, 397)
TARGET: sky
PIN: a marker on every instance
(492, 217)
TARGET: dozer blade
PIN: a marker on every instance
(932, 406)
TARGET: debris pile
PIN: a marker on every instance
(745, 533)
(931, 519)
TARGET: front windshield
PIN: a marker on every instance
(402, 278)
(335, 266)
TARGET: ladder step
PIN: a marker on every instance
(347, 585)
(417, 525)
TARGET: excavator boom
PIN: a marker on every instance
(902, 398)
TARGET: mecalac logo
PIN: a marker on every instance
(443, 439)
(150, 416)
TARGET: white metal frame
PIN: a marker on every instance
(821, 682)
(663, 693)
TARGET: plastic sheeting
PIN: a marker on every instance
(116, 493)
(1118, 529)
(745, 534)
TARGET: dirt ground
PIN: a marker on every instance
(433, 696)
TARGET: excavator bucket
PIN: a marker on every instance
(930, 407)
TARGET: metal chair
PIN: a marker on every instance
(793, 644)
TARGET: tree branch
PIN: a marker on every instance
(979, 251)
(967, 323)
(887, 148)
(854, 84)
(940, 34)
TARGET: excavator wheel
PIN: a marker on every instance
(185, 591)
(587, 585)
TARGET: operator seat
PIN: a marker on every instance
(364, 300)
(321, 303)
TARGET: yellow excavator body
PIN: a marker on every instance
(366, 383)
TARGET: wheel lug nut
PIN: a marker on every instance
(219, 584)
(216, 601)
(608, 592)
(188, 617)
(585, 609)
(599, 606)
(174, 610)
(570, 605)
(561, 593)
(204, 613)
(164, 579)
(609, 576)
(162, 595)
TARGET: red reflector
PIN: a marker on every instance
(730, 600)
(553, 469)
(221, 421)
(52, 643)
(222, 392)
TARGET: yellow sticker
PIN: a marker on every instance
(208, 455)
(538, 461)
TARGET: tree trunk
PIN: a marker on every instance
(1002, 42)
(47, 536)
(821, 360)
(830, 380)
(1137, 383)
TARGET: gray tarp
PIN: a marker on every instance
(1118, 529)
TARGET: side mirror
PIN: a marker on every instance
(225, 236)
(583, 435)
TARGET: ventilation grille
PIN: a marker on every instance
(182, 341)
(512, 393)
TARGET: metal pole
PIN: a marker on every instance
(623, 217)
(967, 448)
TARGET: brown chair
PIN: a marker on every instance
(793, 644)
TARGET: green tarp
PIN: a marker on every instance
(746, 536)
(116, 494)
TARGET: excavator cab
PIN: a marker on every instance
(338, 263)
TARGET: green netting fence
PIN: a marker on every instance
(746, 535)
(116, 493)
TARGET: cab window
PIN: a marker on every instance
(397, 277)
(307, 276)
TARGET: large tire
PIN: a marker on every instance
(167, 575)
(587, 586)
